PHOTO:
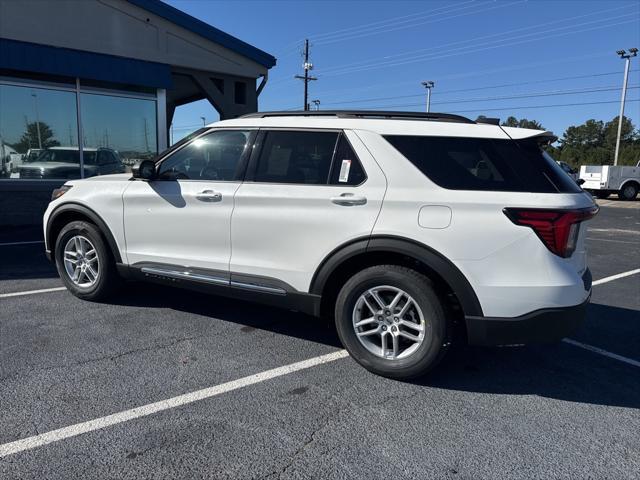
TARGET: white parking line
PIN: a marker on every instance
(151, 408)
(32, 292)
(600, 351)
(9, 244)
(616, 277)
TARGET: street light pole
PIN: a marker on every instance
(35, 98)
(428, 85)
(627, 61)
(204, 124)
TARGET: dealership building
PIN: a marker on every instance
(88, 87)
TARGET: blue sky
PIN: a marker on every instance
(374, 54)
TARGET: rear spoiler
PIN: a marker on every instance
(545, 138)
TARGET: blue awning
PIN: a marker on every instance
(48, 60)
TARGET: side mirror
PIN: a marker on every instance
(580, 181)
(144, 170)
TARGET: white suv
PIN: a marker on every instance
(399, 225)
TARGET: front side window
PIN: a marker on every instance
(216, 156)
(296, 157)
(484, 164)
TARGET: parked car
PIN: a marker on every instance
(401, 226)
(64, 162)
(603, 180)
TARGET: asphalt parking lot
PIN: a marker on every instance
(80, 385)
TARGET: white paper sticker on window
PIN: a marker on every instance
(344, 171)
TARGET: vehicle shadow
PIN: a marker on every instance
(558, 371)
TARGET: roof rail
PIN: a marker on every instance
(441, 117)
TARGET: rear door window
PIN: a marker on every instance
(484, 164)
(296, 157)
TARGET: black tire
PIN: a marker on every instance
(629, 192)
(437, 335)
(107, 280)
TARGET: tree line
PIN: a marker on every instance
(592, 143)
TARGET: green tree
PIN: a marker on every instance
(627, 135)
(34, 137)
(522, 123)
(589, 134)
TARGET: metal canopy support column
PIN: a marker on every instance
(161, 116)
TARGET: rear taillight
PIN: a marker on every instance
(558, 229)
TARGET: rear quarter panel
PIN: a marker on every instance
(492, 252)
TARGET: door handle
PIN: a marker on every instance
(349, 200)
(209, 196)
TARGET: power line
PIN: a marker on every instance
(520, 107)
(543, 106)
(474, 73)
(487, 87)
(389, 22)
(498, 43)
(473, 40)
(291, 47)
(428, 20)
(543, 35)
(514, 97)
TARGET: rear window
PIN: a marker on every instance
(484, 164)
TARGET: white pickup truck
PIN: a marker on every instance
(603, 180)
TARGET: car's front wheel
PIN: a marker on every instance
(84, 261)
(391, 321)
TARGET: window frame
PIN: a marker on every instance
(256, 153)
(242, 165)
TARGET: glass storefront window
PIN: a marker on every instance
(39, 130)
(38, 133)
(120, 127)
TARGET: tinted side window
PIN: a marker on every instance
(483, 164)
(346, 169)
(296, 157)
(215, 156)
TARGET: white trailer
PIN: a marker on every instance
(603, 180)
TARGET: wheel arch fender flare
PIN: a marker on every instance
(627, 181)
(433, 259)
(72, 207)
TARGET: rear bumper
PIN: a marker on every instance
(541, 326)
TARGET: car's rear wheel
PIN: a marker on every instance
(84, 261)
(391, 321)
(629, 192)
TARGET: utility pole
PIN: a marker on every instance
(204, 124)
(627, 60)
(306, 78)
(428, 85)
(316, 103)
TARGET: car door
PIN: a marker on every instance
(306, 193)
(180, 222)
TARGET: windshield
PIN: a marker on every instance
(180, 143)
(67, 156)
